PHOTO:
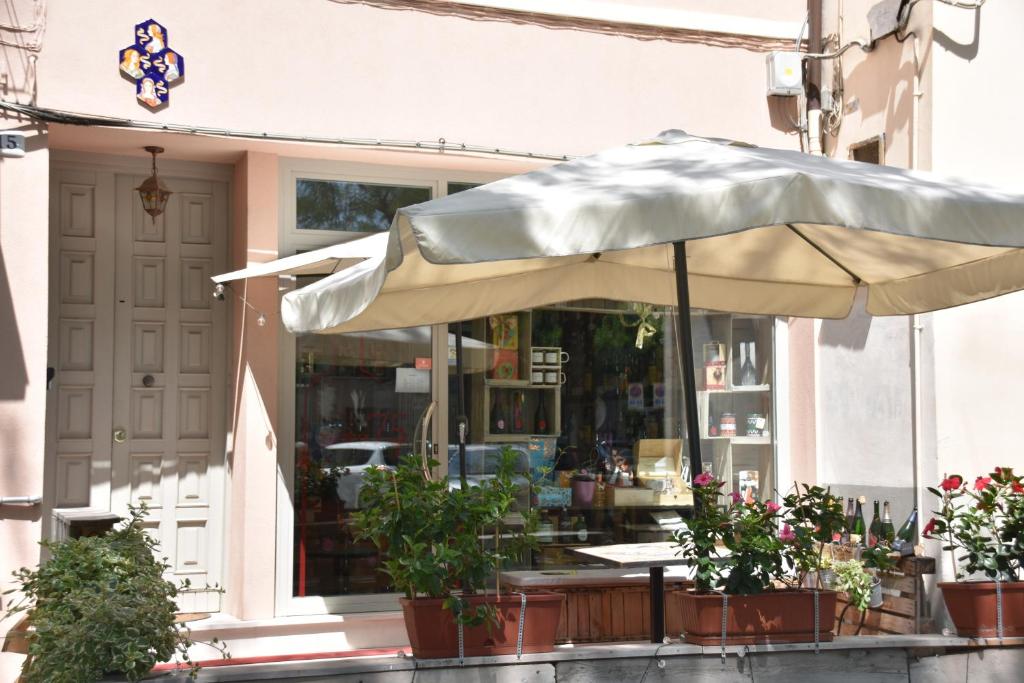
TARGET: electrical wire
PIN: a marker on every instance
(441, 146)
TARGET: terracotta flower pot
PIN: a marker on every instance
(972, 607)
(433, 633)
(774, 617)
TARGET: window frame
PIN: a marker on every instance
(290, 241)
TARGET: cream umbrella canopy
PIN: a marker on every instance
(684, 220)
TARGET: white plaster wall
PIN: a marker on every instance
(979, 360)
(347, 70)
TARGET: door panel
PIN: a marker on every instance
(141, 349)
(81, 213)
(172, 392)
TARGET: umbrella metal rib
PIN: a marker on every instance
(856, 278)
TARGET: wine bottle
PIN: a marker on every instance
(498, 423)
(888, 534)
(580, 527)
(518, 425)
(906, 535)
(908, 531)
(849, 521)
(859, 530)
(875, 530)
(540, 416)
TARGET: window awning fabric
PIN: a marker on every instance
(317, 262)
(767, 231)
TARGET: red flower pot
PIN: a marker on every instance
(433, 633)
(972, 607)
(785, 616)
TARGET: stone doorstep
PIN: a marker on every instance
(919, 645)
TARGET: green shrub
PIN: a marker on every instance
(100, 605)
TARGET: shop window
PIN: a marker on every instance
(592, 389)
(345, 206)
(359, 402)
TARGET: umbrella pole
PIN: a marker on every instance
(685, 337)
(461, 422)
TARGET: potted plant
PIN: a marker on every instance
(981, 525)
(98, 606)
(443, 545)
(583, 485)
(771, 550)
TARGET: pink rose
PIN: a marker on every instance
(772, 506)
(736, 498)
(703, 479)
(787, 533)
(981, 482)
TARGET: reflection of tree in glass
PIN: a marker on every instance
(351, 207)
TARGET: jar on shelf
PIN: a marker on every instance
(727, 424)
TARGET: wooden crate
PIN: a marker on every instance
(617, 610)
(903, 600)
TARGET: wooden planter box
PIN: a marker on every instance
(433, 633)
(784, 616)
(904, 609)
(603, 605)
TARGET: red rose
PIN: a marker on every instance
(952, 483)
(981, 482)
(703, 479)
(929, 528)
(1017, 488)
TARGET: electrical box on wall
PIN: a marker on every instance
(785, 73)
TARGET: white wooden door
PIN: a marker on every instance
(140, 412)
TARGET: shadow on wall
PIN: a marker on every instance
(850, 332)
(13, 376)
(964, 51)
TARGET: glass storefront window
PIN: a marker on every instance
(350, 206)
(590, 394)
(359, 402)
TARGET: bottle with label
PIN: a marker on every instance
(875, 530)
(888, 534)
(580, 527)
(518, 421)
(564, 526)
(858, 530)
(498, 423)
(849, 520)
(540, 416)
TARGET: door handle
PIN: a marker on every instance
(120, 435)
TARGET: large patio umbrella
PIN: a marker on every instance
(711, 223)
(683, 220)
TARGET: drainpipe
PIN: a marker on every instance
(814, 46)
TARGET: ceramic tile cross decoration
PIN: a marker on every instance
(152, 64)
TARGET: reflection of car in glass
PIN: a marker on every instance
(482, 462)
(354, 458)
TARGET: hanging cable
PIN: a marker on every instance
(218, 293)
(441, 145)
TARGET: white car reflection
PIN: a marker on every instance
(354, 458)
(482, 461)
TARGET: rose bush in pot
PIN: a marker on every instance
(443, 544)
(981, 526)
(770, 550)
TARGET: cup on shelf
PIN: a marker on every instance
(537, 377)
(555, 357)
(537, 357)
(552, 377)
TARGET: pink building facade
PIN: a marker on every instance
(162, 394)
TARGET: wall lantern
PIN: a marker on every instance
(153, 191)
